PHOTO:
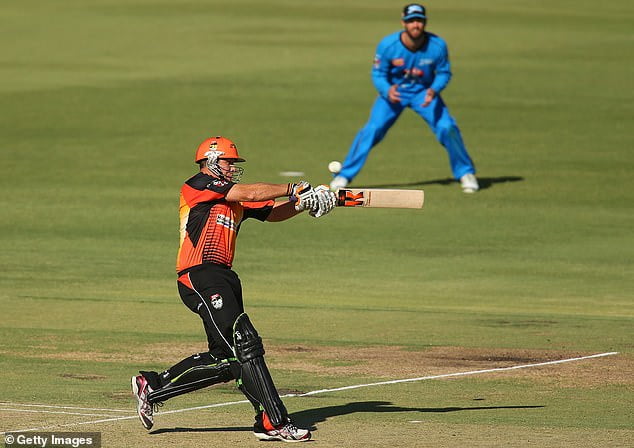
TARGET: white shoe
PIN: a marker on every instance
(469, 183)
(286, 432)
(338, 182)
(141, 389)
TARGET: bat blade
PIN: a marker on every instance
(380, 198)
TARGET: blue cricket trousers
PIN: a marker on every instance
(384, 114)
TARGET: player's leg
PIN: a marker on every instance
(255, 380)
(192, 373)
(210, 294)
(256, 383)
(382, 117)
(446, 130)
(226, 316)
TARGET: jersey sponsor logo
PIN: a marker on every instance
(219, 183)
(225, 221)
(377, 61)
(413, 73)
(216, 301)
(398, 62)
(426, 62)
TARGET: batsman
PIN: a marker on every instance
(213, 206)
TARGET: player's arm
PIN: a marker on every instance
(319, 201)
(258, 192)
(380, 71)
(282, 211)
(442, 72)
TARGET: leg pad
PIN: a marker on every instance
(255, 379)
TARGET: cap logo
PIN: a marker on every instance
(411, 9)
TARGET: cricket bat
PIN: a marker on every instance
(380, 198)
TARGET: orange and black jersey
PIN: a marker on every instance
(209, 224)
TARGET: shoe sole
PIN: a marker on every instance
(268, 438)
(135, 390)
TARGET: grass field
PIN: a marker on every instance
(103, 104)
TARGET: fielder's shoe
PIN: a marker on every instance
(286, 432)
(338, 182)
(469, 183)
(140, 390)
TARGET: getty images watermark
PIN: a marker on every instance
(53, 440)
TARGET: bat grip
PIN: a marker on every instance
(341, 198)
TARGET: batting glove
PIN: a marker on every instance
(326, 200)
(303, 194)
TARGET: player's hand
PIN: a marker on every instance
(393, 94)
(326, 201)
(429, 96)
(303, 194)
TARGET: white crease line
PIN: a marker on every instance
(66, 425)
(9, 403)
(37, 411)
(447, 375)
(322, 391)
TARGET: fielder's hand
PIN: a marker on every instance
(304, 196)
(393, 95)
(326, 200)
(429, 96)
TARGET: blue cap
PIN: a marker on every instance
(414, 11)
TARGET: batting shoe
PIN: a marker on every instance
(263, 429)
(141, 389)
(469, 183)
(338, 182)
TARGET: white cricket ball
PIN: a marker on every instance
(334, 167)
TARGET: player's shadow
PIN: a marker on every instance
(485, 182)
(219, 429)
(309, 417)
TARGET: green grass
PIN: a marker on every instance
(105, 102)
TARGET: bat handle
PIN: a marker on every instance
(341, 198)
(346, 198)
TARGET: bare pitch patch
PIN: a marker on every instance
(398, 362)
(394, 362)
(58, 409)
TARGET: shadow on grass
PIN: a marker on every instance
(223, 429)
(485, 182)
(310, 417)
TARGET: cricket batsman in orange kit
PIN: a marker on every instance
(213, 205)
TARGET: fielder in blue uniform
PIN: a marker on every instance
(411, 68)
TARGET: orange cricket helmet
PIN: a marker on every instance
(227, 147)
